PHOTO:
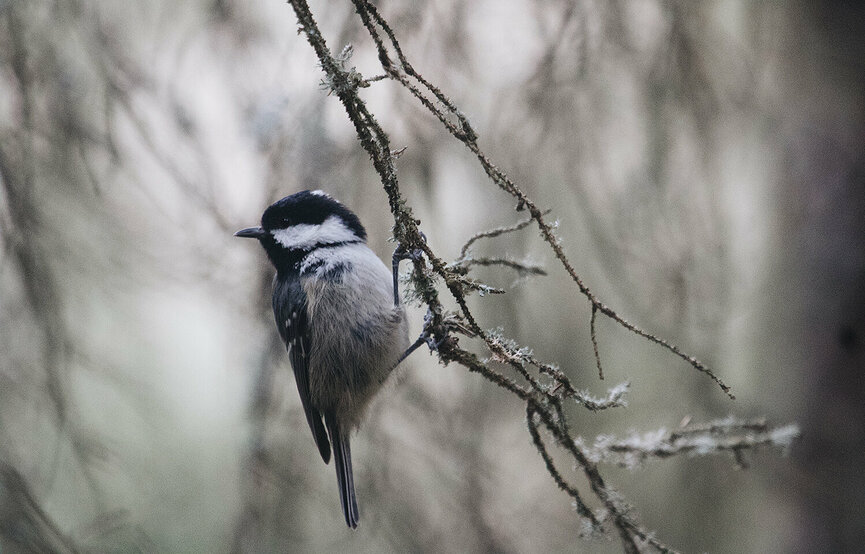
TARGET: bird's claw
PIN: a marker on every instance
(434, 338)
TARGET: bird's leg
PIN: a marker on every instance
(398, 256)
(428, 336)
(402, 253)
(415, 345)
(425, 337)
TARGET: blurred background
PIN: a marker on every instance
(704, 161)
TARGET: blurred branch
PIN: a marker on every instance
(543, 401)
(23, 522)
(48, 171)
(17, 177)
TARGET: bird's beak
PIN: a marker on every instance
(250, 233)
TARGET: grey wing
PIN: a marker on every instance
(289, 307)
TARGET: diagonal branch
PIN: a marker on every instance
(544, 403)
(462, 130)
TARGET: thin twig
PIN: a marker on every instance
(498, 231)
(582, 509)
(594, 336)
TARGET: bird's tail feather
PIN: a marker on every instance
(344, 475)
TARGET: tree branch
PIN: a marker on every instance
(543, 402)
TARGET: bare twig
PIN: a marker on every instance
(594, 334)
(519, 267)
(498, 231)
(582, 509)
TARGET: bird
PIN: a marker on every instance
(343, 329)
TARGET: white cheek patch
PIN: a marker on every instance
(305, 236)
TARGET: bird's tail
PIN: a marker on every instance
(344, 475)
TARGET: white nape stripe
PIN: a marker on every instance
(320, 193)
(325, 260)
(304, 236)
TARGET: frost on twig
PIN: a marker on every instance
(727, 435)
(346, 79)
(615, 398)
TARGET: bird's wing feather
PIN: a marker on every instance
(344, 474)
(290, 309)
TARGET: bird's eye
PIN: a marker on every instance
(286, 221)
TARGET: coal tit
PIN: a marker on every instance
(344, 329)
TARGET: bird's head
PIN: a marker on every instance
(301, 223)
